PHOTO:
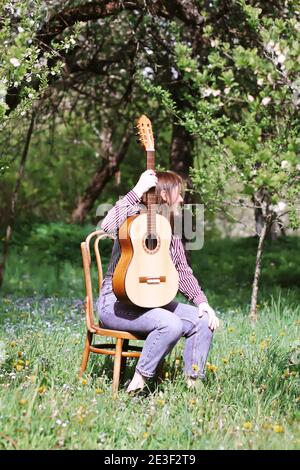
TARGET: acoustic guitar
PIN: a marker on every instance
(145, 274)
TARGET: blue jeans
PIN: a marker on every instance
(162, 327)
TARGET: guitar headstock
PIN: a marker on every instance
(145, 133)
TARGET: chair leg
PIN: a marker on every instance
(124, 359)
(159, 376)
(117, 366)
(86, 352)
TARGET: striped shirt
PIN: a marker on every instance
(127, 206)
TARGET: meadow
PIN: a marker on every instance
(249, 399)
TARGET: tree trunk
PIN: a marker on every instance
(14, 198)
(181, 161)
(261, 201)
(262, 237)
(275, 229)
(108, 168)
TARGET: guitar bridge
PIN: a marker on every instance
(152, 280)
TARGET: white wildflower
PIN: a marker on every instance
(2, 351)
(216, 92)
(226, 90)
(250, 98)
(260, 82)
(15, 62)
(265, 101)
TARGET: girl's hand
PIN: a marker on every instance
(213, 321)
(147, 180)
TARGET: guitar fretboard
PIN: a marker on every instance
(151, 199)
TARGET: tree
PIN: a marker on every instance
(245, 101)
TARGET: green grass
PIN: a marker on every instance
(249, 400)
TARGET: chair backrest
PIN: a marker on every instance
(86, 259)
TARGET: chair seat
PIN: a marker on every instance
(118, 333)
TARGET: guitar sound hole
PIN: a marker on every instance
(151, 241)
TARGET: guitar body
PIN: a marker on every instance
(145, 274)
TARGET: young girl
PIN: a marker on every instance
(165, 325)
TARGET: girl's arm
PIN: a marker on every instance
(123, 208)
(188, 284)
(129, 204)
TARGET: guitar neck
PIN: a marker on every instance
(151, 199)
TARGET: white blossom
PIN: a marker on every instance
(250, 98)
(226, 90)
(148, 72)
(175, 74)
(285, 164)
(207, 92)
(265, 101)
(15, 62)
(281, 58)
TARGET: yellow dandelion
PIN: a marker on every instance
(27, 362)
(192, 402)
(212, 368)
(253, 338)
(19, 367)
(20, 353)
(266, 426)
(195, 367)
(42, 389)
(160, 402)
(13, 344)
(83, 381)
(98, 391)
(177, 361)
(22, 402)
(225, 360)
(278, 428)
(247, 425)
(286, 374)
(230, 329)
(263, 345)
(20, 362)
(145, 435)
(166, 375)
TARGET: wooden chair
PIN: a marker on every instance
(121, 349)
